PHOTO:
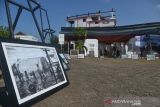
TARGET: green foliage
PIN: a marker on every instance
(20, 33)
(79, 44)
(82, 34)
(4, 32)
(54, 40)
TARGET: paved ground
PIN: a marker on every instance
(93, 80)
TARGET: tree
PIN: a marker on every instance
(4, 32)
(20, 33)
(54, 40)
(81, 34)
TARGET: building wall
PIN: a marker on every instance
(109, 24)
(81, 23)
(102, 24)
(92, 45)
(26, 37)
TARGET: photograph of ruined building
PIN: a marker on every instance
(34, 74)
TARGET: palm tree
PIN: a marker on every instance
(81, 34)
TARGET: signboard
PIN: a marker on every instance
(81, 56)
(61, 39)
(65, 62)
(124, 56)
(129, 54)
(30, 70)
(135, 56)
(150, 57)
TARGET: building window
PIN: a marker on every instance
(105, 22)
(84, 20)
(94, 18)
(102, 18)
(96, 22)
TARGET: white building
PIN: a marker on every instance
(97, 19)
(92, 46)
(26, 37)
(91, 20)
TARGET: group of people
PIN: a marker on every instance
(110, 51)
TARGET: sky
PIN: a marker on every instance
(22, 53)
(127, 12)
(26, 52)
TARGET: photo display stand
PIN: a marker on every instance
(64, 61)
(31, 71)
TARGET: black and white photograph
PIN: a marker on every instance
(64, 58)
(34, 70)
(67, 56)
(64, 64)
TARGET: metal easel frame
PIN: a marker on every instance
(12, 24)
